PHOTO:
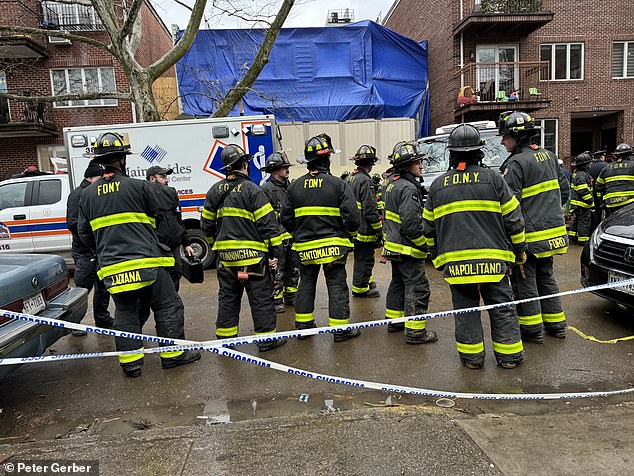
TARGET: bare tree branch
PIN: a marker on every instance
(260, 60)
(136, 36)
(132, 16)
(68, 97)
(176, 53)
(60, 34)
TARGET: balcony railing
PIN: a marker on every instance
(503, 83)
(514, 7)
(19, 118)
(70, 17)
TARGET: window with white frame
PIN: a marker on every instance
(549, 134)
(71, 16)
(623, 59)
(83, 80)
(565, 60)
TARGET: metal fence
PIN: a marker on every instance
(506, 6)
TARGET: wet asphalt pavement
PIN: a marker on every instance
(92, 396)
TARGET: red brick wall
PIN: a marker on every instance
(36, 78)
(596, 24)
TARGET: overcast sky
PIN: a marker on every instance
(305, 13)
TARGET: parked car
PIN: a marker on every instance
(437, 155)
(35, 284)
(609, 256)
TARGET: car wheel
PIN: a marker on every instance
(202, 249)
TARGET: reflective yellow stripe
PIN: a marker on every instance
(467, 206)
(470, 348)
(120, 219)
(420, 241)
(534, 236)
(209, 215)
(476, 278)
(508, 349)
(338, 322)
(540, 188)
(579, 204)
(518, 238)
(546, 254)
(577, 188)
(319, 211)
(227, 331)
(572, 233)
(359, 205)
(235, 212)
(365, 238)
(313, 244)
(171, 355)
(405, 250)
(358, 290)
(135, 264)
(601, 180)
(278, 240)
(428, 215)
(392, 314)
(392, 216)
(616, 178)
(430, 241)
(127, 358)
(556, 317)
(582, 239)
(587, 197)
(304, 317)
(242, 262)
(129, 287)
(629, 193)
(290, 290)
(530, 320)
(263, 211)
(416, 325)
(509, 206)
(619, 204)
(376, 226)
(465, 255)
(240, 244)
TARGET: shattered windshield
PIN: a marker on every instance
(437, 155)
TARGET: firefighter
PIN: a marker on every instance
(615, 185)
(85, 274)
(241, 223)
(540, 186)
(277, 164)
(405, 245)
(581, 202)
(597, 165)
(116, 220)
(321, 213)
(471, 217)
(371, 229)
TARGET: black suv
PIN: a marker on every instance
(609, 256)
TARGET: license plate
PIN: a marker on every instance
(615, 277)
(34, 304)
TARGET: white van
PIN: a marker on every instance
(33, 214)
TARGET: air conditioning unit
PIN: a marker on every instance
(56, 40)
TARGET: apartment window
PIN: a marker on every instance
(83, 80)
(548, 134)
(71, 16)
(623, 59)
(565, 60)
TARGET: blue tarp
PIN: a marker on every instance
(358, 71)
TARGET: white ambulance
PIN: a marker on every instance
(33, 209)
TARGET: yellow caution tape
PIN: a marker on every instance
(594, 339)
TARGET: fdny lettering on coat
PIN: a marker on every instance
(541, 156)
(467, 177)
(320, 253)
(474, 269)
(313, 183)
(126, 278)
(236, 255)
(557, 243)
(108, 187)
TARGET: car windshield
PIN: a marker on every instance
(437, 160)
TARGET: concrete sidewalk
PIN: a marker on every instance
(386, 441)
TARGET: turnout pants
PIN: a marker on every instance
(86, 277)
(505, 329)
(581, 225)
(363, 264)
(168, 315)
(408, 294)
(289, 267)
(175, 273)
(539, 280)
(338, 297)
(259, 290)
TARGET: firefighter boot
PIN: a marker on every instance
(340, 336)
(397, 327)
(279, 306)
(133, 369)
(372, 293)
(270, 345)
(305, 325)
(187, 357)
(420, 336)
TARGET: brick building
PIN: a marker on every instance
(569, 63)
(31, 133)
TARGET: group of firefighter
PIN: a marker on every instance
(493, 236)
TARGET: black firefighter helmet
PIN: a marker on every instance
(366, 154)
(318, 147)
(465, 138)
(582, 159)
(109, 146)
(276, 161)
(232, 154)
(404, 154)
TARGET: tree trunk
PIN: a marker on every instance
(143, 96)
